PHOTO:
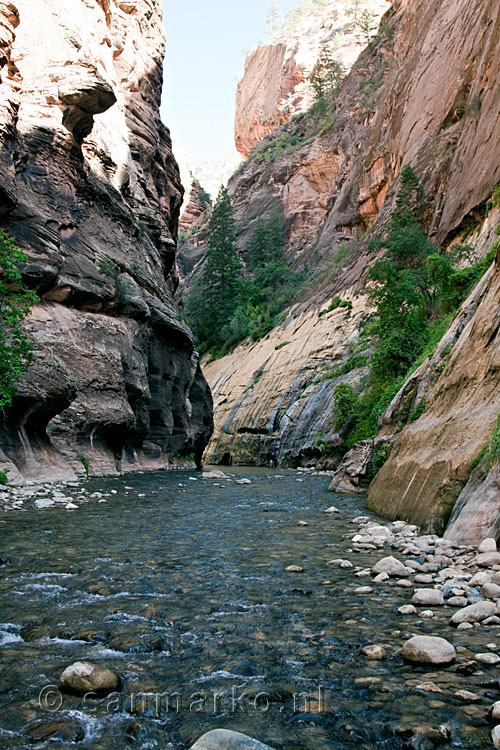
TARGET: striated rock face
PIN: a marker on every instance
(90, 188)
(275, 85)
(399, 105)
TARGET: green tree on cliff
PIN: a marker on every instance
(213, 302)
(274, 18)
(15, 304)
(327, 75)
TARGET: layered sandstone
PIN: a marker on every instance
(90, 189)
(399, 105)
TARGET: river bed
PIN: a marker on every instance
(179, 584)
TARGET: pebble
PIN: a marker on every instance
(490, 590)
(302, 523)
(473, 613)
(407, 609)
(423, 578)
(294, 569)
(428, 597)
(495, 711)
(381, 578)
(495, 736)
(488, 658)
(332, 509)
(487, 545)
(466, 695)
(364, 590)
(427, 614)
(377, 653)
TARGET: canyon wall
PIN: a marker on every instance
(275, 86)
(91, 191)
(425, 92)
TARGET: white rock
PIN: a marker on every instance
(423, 578)
(407, 609)
(480, 578)
(428, 598)
(488, 559)
(487, 545)
(84, 677)
(473, 613)
(363, 590)
(294, 569)
(381, 578)
(215, 474)
(425, 649)
(427, 614)
(332, 509)
(466, 695)
(374, 652)
(495, 711)
(243, 481)
(495, 736)
(302, 523)
(490, 590)
(390, 565)
(71, 506)
(44, 503)
(225, 739)
(487, 658)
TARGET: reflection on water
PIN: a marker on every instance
(180, 586)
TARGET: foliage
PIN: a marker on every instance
(494, 444)
(415, 291)
(225, 308)
(335, 304)
(280, 346)
(275, 18)
(15, 303)
(3, 477)
(85, 463)
(380, 456)
(270, 150)
(215, 298)
(326, 75)
(362, 21)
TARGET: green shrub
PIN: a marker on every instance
(3, 477)
(280, 346)
(336, 303)
(85, 463)
(15, 304)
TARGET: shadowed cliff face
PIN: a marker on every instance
(90, 189)
(425, 92)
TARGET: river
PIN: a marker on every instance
(179, 584)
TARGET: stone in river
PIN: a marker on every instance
(332, 509)
(425, 649)
(374, 652)
(488, 559)
(495, 711)
(487, 658)
(294, 569)
(225, 739)
(86, 677)
(487, 545)
(495, 736)
(473, 613)
(407, 609)
(490, 590)
(391, 566)
(428, 598)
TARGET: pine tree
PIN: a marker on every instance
(221, 282)
(274, 18)
(327, 75)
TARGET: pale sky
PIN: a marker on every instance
(205, 44)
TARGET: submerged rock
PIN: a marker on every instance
(86, 677)
(225, 739)
(425, 649)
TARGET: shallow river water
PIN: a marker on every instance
(180, 586)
